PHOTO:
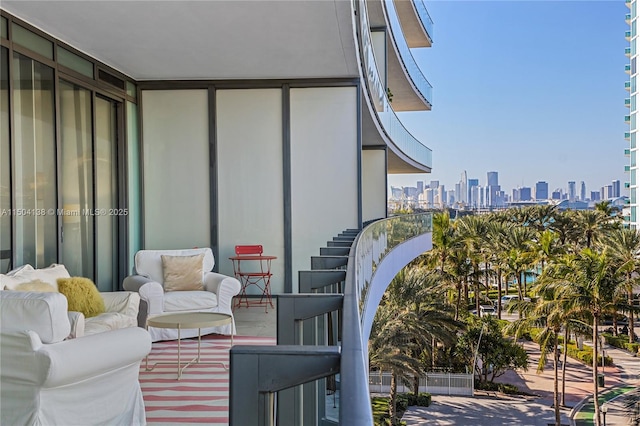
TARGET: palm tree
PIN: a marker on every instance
(393, 340)
(592, 224)
(584, 283)
(625, 250)
(416, 290)
(518, 255)
(473, 232)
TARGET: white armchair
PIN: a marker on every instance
(121, 307)
(47, 380)
(148, 281)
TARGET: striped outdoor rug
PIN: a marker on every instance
(201, 396)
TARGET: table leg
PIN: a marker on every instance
(179, 359)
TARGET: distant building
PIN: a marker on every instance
(571, 191)
(583, 191)
(630, 118)
(542, 190)
(525, 194)
(420, 187)
(616, 188)
(492, 178)
(556, 195)
(595, 196)
(471, 184)
(463, 188)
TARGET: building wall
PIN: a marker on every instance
(250, 178)
(634, 220)
(175, 151)
(374, 182)
(324, 172)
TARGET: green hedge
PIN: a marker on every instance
(505, 388)
(622, 341)
(380, 406)
(586, 355)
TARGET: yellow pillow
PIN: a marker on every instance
(37, 286)
(82, 296)
(182, 273)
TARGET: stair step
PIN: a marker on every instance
(334, 251)
(319, 278)
(328, 262)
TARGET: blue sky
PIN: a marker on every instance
(531, 89)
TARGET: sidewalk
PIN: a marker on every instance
(536, 410)
(613, 396)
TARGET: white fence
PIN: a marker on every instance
(434, 383)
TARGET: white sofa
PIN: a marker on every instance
(148, 280)
(47, 380)
(121, 306)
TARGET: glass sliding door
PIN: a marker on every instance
(34, 175)
(76, 180)
(107, 194)
(5, 165)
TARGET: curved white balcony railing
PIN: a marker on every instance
(362, 294)
(377, 92)
(406, 57)
(425, 18)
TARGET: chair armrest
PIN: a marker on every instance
(76, 319)
(123, 302)
(225, 287)
(75, 360)
(134, 282)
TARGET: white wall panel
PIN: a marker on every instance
(374, 182)
(176, 168)
(324, 174)
(250, 194)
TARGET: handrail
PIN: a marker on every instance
(424, 16)
(406, 57)
(377, 91)
(366, 254)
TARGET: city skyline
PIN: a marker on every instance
(484, 181)
(523, 100)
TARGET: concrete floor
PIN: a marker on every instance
(254, 321)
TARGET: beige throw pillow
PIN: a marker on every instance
(182, 273)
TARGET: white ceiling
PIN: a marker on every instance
(155, 40)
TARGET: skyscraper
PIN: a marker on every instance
(616, 188)
(492, 178)
(542, 190)
(471, 200)
(571, 190)
(583, 191)
(463, 188)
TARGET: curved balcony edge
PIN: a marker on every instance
(424, 17)
(412, 71)
(387, 122)
(376, 256)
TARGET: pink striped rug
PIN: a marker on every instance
(201, 396)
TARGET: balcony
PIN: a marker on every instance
(627, 35)
(627, 135)
(406, 152)
(376, 255)
(627, 102)
(627, 185)
(627, 68)
(627, 119)
(627, 86)
(416, 22)
(627, 18)
(405, 79)
(628, 3)
(627, 52)
(627, 152)
(627, 168)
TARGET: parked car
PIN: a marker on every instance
(487, 310)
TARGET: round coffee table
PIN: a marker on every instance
(179, 321)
